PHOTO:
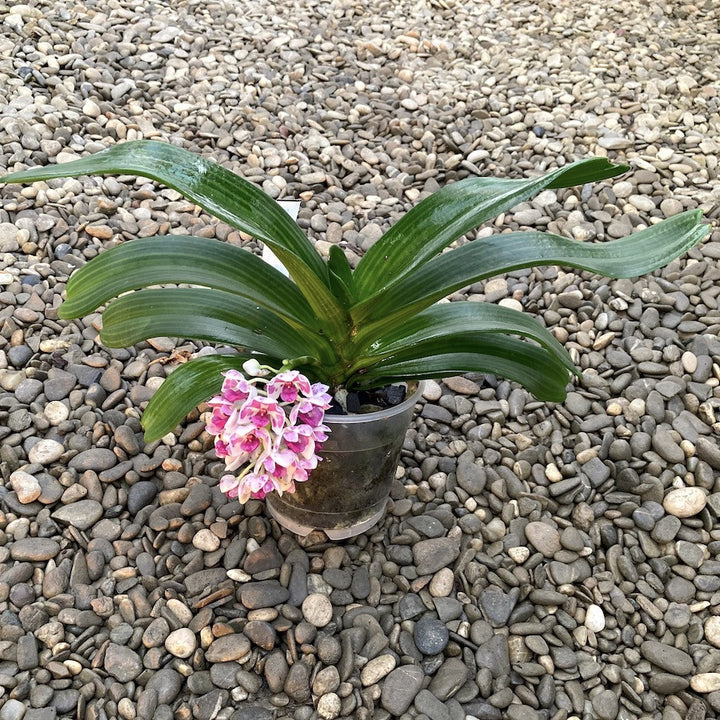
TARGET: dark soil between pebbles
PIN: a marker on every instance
(537, 561)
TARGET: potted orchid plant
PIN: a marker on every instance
(329, 328)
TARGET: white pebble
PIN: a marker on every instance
(511, 303)
(432, 390)
(705, 682)
(206, 540)
(519, 554)
(376, 669)
(712, 630)
(181, 643)
(685, 502)
(56, 412)
(689, 362)
(26, 486)
(45, 452)
(595, 618)
(442, 583)
(329, 706)
(317, 609)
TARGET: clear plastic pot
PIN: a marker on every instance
(348, 491)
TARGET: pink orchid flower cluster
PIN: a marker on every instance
(275, 431)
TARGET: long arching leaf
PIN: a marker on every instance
(202, 314)
(530, 365)
(444, 326)
(217, 190)
(186, 387)
(453, 211)
(223, 194)
(183, 259)
(630, 256)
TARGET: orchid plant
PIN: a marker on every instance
(345, 328)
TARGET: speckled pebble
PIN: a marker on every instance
(317, 609)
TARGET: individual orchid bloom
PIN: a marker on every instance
(287, 385)
(301, 468)
(255, 485)
(276, 462)
(310, 410)
(229, 484)
(235, 460)
(319, 394)
(222, 448)
(299, 439)
(236, 388)
(307, 413)
(248, 438)
(320, 435)
(218, 419)
(262, 411)
(286, 484)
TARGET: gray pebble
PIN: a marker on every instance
(666, 529)
(297, 683)
(430, 635)
(497, 605)
(140, 495)
(667, 657)
(82, 514)
(434, 554)
(96, 459)
(429, 705)
(122, 663)
(34, 549)
(166, 683)
(451, 676)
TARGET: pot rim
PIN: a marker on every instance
(410, 400)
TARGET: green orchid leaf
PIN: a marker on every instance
(363, 328)
(215, 189)
(339, 264)
(341, 277)
(446, 325)
(333, 319)
(184, 259)
(630, 256)
(532, 366)
(453, 211)
(184, 389)
(203, 314)
(224, 195)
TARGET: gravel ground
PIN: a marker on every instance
(537, 561)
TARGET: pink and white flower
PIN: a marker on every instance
(287, 386)
(255, 485)
(236, 388)
(274, 432)
(263, 411)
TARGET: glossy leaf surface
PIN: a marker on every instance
(224, 195)
(217, 190)
(183, 259)
(532, 366)
(446, 325)
(453, 211)
(634, 255)
(210, 315)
